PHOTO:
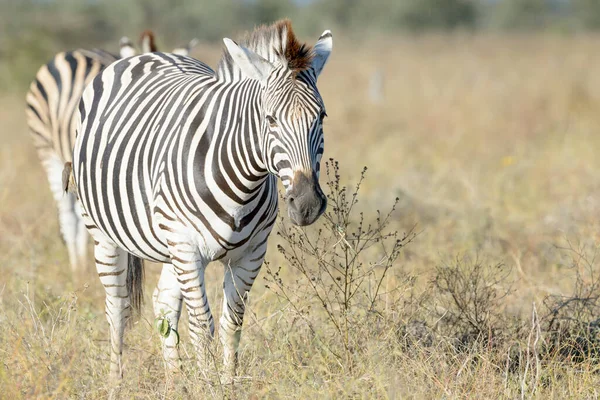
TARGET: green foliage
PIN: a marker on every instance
(267, 11)
(391, 15)
(587, 13)
(163, 326)
(435, 14)
(32, 31)
(518, 14)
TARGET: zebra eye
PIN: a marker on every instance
(322, 116)
(272, 121)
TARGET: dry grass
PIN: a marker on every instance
(491, 144)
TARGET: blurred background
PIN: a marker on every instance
(31, 31)
(481, 116)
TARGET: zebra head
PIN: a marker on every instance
(291, 117)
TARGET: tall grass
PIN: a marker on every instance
(489, 143)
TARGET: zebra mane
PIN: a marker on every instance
(277, 43)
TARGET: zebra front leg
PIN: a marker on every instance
(238, 280)
(189, 267)
(167, 302)
(111, 263)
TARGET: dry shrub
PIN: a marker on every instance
(468, 297)
(572, 322)
(342, 269)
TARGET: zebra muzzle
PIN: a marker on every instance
(306, 201)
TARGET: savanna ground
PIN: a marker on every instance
(490, 144)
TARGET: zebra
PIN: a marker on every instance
(51, 116)
(149, 45)
(177, 163)
(126, 48)
(186, 49)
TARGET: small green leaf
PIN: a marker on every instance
(177, 334)
(163, 327)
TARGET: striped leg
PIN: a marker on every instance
(190, 274)
(71, 224)
(238, 280)
(167, 302)
(111, 262)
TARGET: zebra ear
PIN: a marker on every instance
(148, 42)
(252, 65)
(127, 49)
(185, 50)
(322, 50)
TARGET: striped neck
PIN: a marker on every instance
(235, 154)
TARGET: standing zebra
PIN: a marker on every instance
(51, 115)
(176, 163)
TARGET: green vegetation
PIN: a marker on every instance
(31, 31)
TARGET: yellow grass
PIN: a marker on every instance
(492, 145)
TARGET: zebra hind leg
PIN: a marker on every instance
(111, 263)
(69, 225)
(69, 220)
(167, 301)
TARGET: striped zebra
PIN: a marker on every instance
(51, 115)
(178, 164)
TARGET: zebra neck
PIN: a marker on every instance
(229, 165)
(245, 141)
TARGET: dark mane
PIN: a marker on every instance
(278, 44)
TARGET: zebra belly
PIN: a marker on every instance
(137, 239)
(119, 207)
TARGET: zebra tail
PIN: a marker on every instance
(68, 180)
(135, 282)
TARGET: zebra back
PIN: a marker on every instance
(54, 94)
(53, 97)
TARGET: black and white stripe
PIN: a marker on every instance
(178, 164)
(52, 102)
